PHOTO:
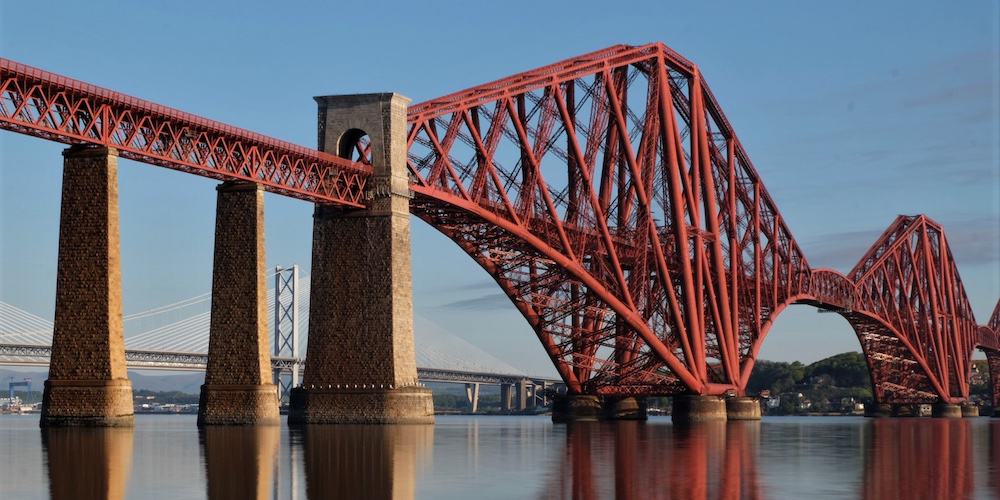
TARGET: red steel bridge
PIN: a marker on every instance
(611, 200)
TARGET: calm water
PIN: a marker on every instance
(507, 457)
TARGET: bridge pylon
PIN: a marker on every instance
(88, 383)
(361, 363)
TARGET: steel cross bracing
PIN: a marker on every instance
(53, 107)
(611, 200)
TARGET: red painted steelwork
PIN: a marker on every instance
(53, 107)
(611, 200)
(581, 187)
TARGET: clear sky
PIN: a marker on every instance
(853, 112)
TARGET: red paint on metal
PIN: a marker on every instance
(611, 200)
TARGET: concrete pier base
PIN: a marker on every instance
(576, 408)
(691, 409)
(743, 408)
(623, 408)
(945, 410)
(88, 384)
(970, 411)
(405, 405)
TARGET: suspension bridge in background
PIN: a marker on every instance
(607, 195)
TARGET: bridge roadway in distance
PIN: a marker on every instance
(38, 355)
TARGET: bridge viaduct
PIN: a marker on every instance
(607, 195)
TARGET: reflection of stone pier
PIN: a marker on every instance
(240, 460)
(365, 461)
(88, 463)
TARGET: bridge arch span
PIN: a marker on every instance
(897, 374)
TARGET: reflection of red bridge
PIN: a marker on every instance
(606, 194)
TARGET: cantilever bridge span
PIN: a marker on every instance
(610, 199)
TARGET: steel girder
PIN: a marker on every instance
(611, 200)
(53, 107)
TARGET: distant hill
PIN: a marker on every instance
(185, 382)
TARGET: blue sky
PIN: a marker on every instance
(852, 112)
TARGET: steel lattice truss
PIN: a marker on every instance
(613, 203)
(50, 106)
(611, 200)
(909, 284)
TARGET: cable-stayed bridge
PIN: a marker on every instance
(175, 337)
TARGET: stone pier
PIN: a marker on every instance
(576, 408)
(945, 410)
(623, 408)
(690, 409)
(743, 408)
(970, 410)
(88, 382)
(238, 388)
(361, 364)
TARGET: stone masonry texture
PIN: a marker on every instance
(88, 382)
(361, 366)
(238, 388)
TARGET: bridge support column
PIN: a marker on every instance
(904, 410)
(361, 364)
(238, 388)
(691, 409)
(742, 408)
(506, 394)
(472, 393)
(575, 408)
(623, 408)
(522, 395)
(970, 410)
(88, 382)
(945, 410)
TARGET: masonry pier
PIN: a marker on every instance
(743, 408)
(238, 388)
(88, 383)
(692, 408)
(362, 365)
(946, 410)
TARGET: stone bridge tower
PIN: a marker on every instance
(360, 364)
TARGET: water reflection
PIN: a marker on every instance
(239, 461)
(994, 479)
(919, 458)
(87, 463)
(510, 457)
(633, 460)
(365, 461)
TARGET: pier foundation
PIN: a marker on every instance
(88, 383)
(743, 408)
(238, 388)
(945, 410)
(692, 409)
(362, 365)
(970, 411)
(623, 408)
(576, 408)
